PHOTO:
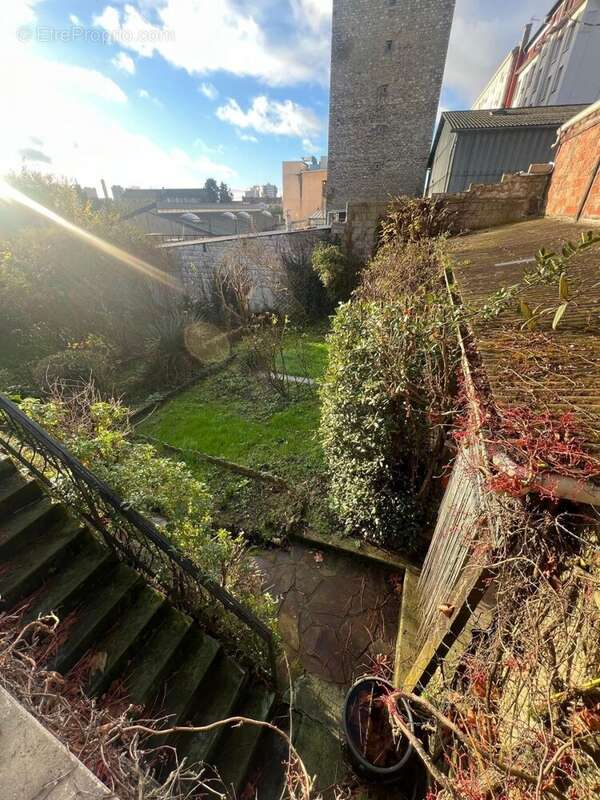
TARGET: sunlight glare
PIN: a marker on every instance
(10, 194)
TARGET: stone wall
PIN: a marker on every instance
(358, 234)
(388, 60)
(263, 255)
(575, 189)
(515, 198)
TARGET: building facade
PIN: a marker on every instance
(479, 147)
(559, 65)
(387, 65)
(304, 184)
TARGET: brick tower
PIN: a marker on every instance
(387, 65)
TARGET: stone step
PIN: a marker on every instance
(408, 628)
(117, 645)
(27, 570)
(222, 689)
(66, 586)
(152, 662)
(16, 492)
(16, 529)
(191, 664)
(93, 618)
(238, 746)
(7, 467)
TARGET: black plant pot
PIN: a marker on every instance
(403, 766)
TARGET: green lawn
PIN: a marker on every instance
(306, 353)
(235, 416)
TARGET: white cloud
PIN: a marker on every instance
(144, 94)
(309, 146)
(74, 19)
(209, 90)
(210, 149)
(247, 137)
(271, 116)
(70, 110)
(205, 36)
(124, 62)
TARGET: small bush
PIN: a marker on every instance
(337, 271)
(414, 219)
(167, 355)
(89, 360)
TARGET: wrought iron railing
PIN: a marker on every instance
(133, 538)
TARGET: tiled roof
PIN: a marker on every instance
(542, 370)
(538, 116)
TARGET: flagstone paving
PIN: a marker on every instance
(336, 613)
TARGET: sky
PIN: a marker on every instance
(156, 93)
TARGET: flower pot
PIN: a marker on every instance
(377, 756)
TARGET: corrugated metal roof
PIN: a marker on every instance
(540, 116)
(543, 369)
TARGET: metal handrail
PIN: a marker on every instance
(132, 537)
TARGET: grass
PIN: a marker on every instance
(306, 352)
(233, 415)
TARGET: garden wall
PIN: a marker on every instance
(575, 189)
(517, 197)
(262, 255)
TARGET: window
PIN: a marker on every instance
(556, 83)
(391, 3)
(389, 46)
(569, 36)
(382, 93)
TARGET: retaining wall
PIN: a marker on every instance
(262, 256)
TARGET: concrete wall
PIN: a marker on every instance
(575, 187)
(263, 256)
(388, 60)
(515, 198)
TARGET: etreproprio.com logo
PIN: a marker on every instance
(79, 33)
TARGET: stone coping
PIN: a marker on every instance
(35, 765)
(359, 549)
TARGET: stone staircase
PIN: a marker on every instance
(129, 632)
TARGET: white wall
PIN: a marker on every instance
(567, 70)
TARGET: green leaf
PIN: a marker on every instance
(560, 312)
(564, 288)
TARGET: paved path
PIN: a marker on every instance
(336, 612)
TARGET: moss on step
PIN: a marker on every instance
(238, 745)
(96, 616)
(356, 548)
(223, 687)
(16, 492)
(113, 650)
(26, 571)
(193, 662)
(16, 529)
(149, 667)
(64, 588)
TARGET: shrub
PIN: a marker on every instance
(413, 219)
(81, 362)
(387, 390)
(166, 349)
(337, 271)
